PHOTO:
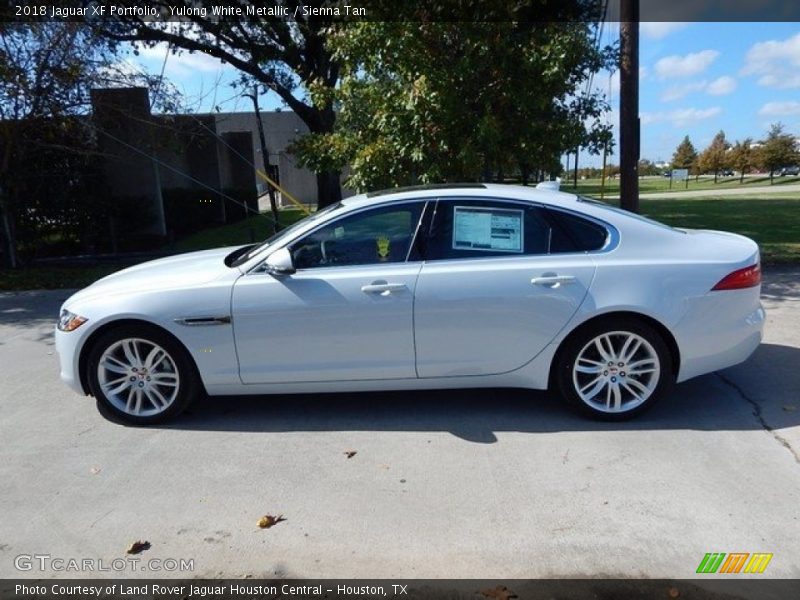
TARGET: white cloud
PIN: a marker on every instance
(776, 63)
(659, 30)
(721, 86)
(680, 117)
(780, 109)
(685, 66)
(718, 87)
(676, 92)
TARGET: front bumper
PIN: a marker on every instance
(68, 345)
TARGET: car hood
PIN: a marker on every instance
(173, 272)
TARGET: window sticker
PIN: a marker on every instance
(489, 229)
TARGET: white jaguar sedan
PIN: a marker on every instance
(473, 285)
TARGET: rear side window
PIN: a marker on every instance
(485, 229)
(490, 229)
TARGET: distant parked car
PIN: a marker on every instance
(726, 172)
(667, 174)
(790, 170)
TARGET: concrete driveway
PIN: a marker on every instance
(478, 483)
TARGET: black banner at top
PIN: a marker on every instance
(394, 10)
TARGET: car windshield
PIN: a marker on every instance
(627, 213)
(285, 232)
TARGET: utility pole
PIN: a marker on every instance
(575, 174)
(273, 205)
(629, 105)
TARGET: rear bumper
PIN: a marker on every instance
(720, 330)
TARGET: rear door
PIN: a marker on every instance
(499, 281)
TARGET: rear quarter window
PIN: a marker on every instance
(572, 233)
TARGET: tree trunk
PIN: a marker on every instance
(525, 173)
(329, 188)
(9, 243)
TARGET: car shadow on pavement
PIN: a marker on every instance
(735, 399)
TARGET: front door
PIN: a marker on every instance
(347, 312)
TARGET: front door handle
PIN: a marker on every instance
(384, 289)
(553, 280)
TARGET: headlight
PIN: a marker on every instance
(68, 321)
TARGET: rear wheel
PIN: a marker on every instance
(140, 375)
(614, 369)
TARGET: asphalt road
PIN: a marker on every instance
(477, 483)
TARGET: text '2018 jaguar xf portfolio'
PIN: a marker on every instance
(474, 285)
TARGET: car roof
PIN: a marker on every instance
(466, 190)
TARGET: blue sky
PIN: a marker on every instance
(696, 78)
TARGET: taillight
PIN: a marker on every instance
(740, 279)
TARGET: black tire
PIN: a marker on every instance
(187, 380)
(566, 380)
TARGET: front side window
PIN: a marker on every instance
(374, 236)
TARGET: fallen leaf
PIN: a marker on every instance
(137, 547)
(94, 470)
(789, 407)
(501, 592)
(350, 453)
(673, 592)
(268, 521)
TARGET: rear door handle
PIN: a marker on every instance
(553, 280)
(384, 289)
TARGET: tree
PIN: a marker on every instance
(742, 157)
(442, 101)
(288, 57)
(648, 168)
(46, 71)
(685, 156)
(715, 157)
(778, 150)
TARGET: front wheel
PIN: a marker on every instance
(614, 369)
(139, 375)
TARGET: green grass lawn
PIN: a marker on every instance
(661, 184)
(257, 228)
(773, 220)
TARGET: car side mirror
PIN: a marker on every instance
(280, 262)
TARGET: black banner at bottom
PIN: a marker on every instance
(373, 589)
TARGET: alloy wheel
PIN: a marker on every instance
(616, 371)
(138, 377)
